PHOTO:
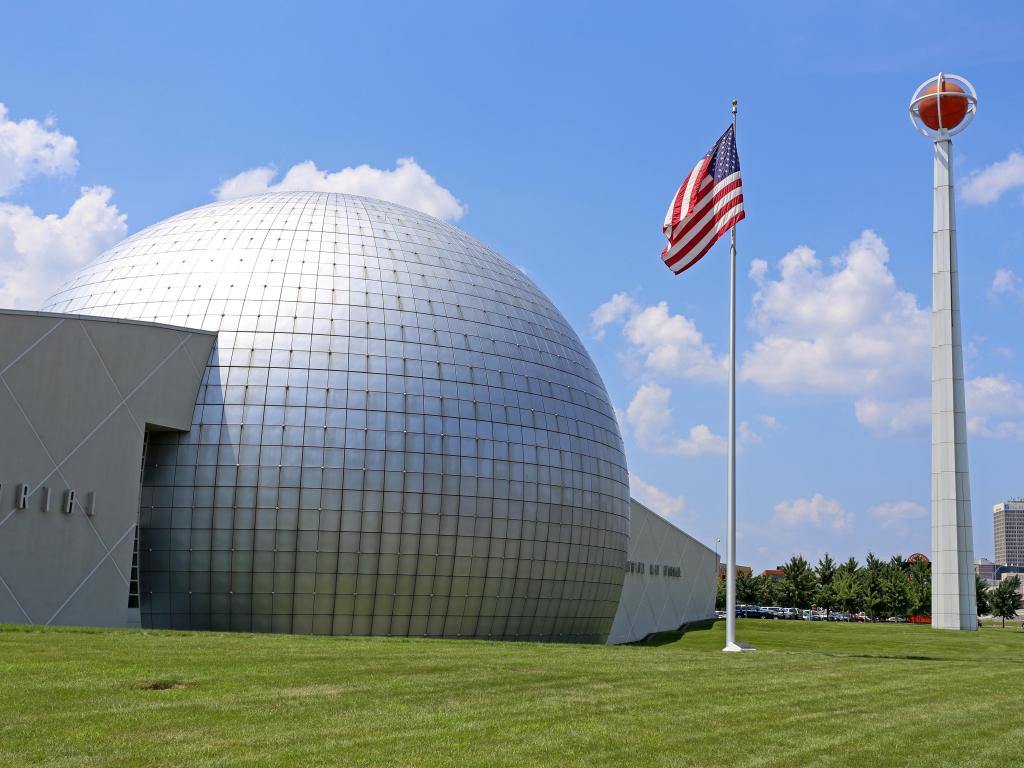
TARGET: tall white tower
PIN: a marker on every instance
(942, 107)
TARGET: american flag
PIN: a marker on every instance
(707, 204)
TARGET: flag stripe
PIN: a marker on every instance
(671, 215)
(675, 209)
(713, 206)
(698, 249)
(682, 266)
(709, 223)
(694, 183)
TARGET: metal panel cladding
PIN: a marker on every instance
(397, 432)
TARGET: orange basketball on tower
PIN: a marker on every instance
(953, 107)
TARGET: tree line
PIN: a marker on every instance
(878, 588)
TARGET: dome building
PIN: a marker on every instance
(351, 419)
(396, 432)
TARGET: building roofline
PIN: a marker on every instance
(100, 318)
(695, 540)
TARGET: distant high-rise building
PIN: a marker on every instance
(1008, 525)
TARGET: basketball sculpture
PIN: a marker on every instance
(943, 106)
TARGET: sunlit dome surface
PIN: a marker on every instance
(397, 432)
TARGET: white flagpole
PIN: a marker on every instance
(730, 546)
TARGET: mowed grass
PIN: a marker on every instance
(813, 694)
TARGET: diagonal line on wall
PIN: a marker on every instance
(106, 370)
(59, 474)
(34, 432)
(16, 601)
(200, 367)
(116, 408)
(648, 523)
(89, 575)
(31, 346)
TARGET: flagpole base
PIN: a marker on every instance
(738, 647)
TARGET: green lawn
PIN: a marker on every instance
(814, 694)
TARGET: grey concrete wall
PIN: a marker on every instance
(671, 578)
(76, 397)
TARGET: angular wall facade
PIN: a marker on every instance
(671, 579)
(77, 396)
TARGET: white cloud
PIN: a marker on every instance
(768, 420)
(37, 253)
(747, 436)
(816, 511)
(849, 330)
(406, 184)
(655, 499)
(995, 407)
(660, 342)
(672, 345)
(894, 417)
(1006, 282)
(758, 270)
(988, 185)
(896, 515)
(612, 311)
(649, 416)
(29, 148)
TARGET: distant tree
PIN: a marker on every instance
(826, 597)
(784, 593)
(873, 565)
(746, 588)
(798, 583)
(766, 590)
(920, 588)
(847, 589)
(871, 577)
(895, 595)
(825, 570)
(720, 597)
(897, 561)
(1005, 600)
(982, 593)
(850, 566)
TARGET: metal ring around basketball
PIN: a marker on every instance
(919, 96)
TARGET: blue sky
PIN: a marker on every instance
(562, 132)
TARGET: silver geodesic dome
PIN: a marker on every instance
(397, 432)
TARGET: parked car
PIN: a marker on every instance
(863, 617)
(720, 614)
(791, 613)
(897, 619)
(748, 612)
